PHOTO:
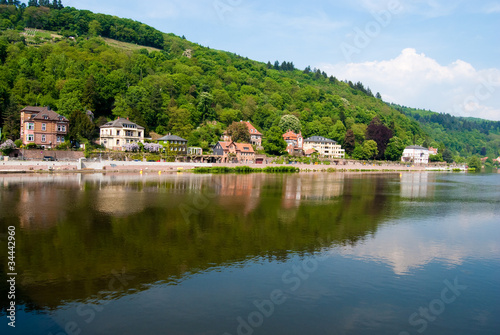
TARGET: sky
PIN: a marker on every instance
(442, 55)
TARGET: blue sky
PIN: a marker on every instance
(441, 55)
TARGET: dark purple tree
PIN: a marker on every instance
(378, 132)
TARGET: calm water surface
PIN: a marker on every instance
(411, 253)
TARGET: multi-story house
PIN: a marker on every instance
(115, 134)
(294, 142)
(234, 152)
(415, 154)
(42, 126)
(325, 147)
(255, 135)
(176, 145)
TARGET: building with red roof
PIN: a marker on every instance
(294, 142)
(234, 152)
(43, 126)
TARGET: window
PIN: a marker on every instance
(43, 138)
(59, 139)
(30, 137)
(61, 128)
(44, 126)
(117, 133)
(139, 134)
(30, 126)
(117, 142)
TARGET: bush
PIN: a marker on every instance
(31, 146)
(7, 147)
(131, 147)
(64, 146)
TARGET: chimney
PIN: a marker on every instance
(127, 118)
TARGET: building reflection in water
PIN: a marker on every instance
(416, 185)
(311, 186)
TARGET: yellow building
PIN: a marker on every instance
(115, 134)
(325, 147)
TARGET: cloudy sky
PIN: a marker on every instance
(442, 55)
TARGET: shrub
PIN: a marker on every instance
(7, 147)
(31, 146)
(131, 147)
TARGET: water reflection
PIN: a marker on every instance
(79, 231)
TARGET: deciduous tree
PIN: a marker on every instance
(238, 132)
(273, 143)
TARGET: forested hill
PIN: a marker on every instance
(57, 56)
(465, 135)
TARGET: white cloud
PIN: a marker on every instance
(416, 80)
(407, 247)
(492, 8)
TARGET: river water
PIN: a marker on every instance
(309, 253)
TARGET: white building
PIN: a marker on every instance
(325, 147)
(115, 134)
(415, 154)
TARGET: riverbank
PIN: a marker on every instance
(134, 166)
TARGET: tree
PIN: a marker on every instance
(80, 127)
(474, 162)
(370, 149)
(447, 156)
(338, 132)
(436, 158)
(205, 107)
(289, 122)
(273, 143)
(394, 149)
(95, 28)
(238, 132)
(380, 134)
(349, 142)
(179, 122)
(366, 151)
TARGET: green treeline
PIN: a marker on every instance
(464, 135)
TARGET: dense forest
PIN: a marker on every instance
(57, 56)
(467, 136)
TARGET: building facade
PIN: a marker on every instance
(415, 154)
(115, 134)
(295, 142)
(42, 126)
(234, 152)
(176, 145)
(325, 147)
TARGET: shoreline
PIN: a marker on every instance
(22, 167)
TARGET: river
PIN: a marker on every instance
(308, 253)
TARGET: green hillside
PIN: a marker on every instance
(464, 135)
(83, 60)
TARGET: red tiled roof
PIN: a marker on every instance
(244, 147)
(251, 129)
(290, 135)
(44, 113)
(224, 145)
(309, 151)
